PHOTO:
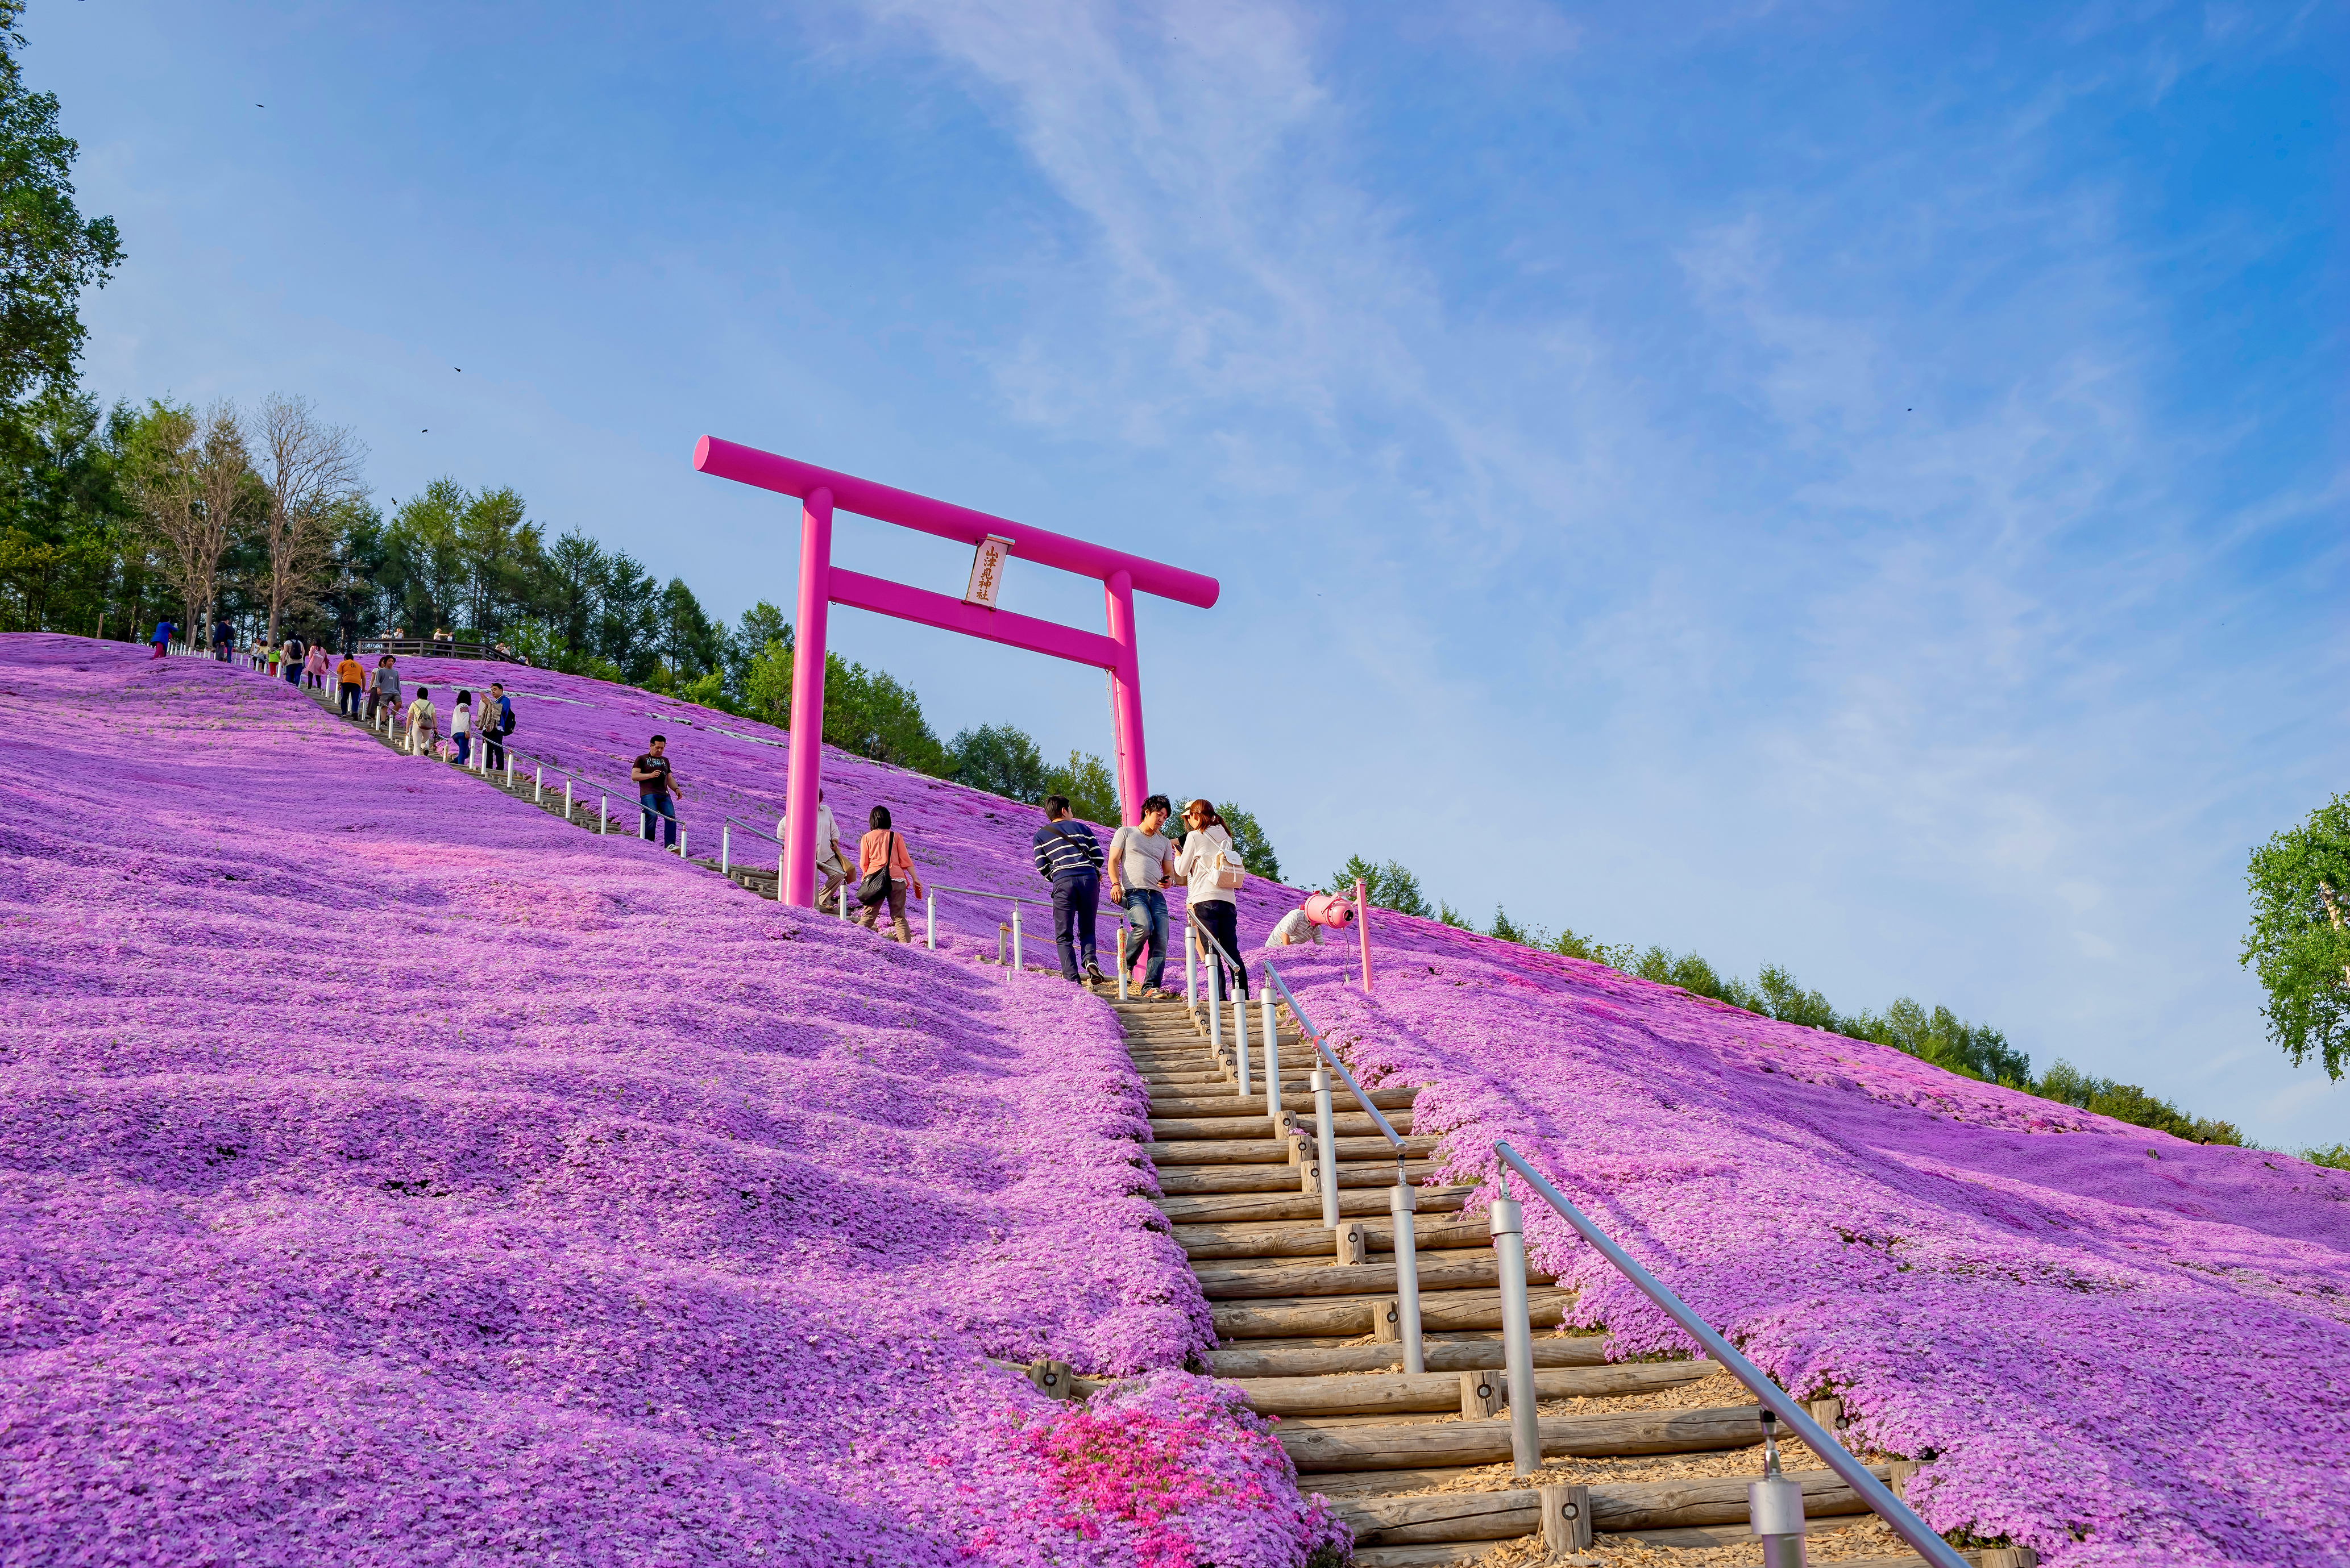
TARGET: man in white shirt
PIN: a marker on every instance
(1142, 861)
(828, 856)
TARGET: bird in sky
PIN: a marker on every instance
(261, 105)
(458, 368)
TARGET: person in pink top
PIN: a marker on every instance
(313, 667)
(882, 850)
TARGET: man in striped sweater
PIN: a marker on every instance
(1070, 857)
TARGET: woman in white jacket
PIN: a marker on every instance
(1211, 869)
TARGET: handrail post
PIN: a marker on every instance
(1240, 1040)
(1774, 1505)
(1215, 1006)
(1122, 965)
(1016, 965)
(603, 812)
(725, 849)
(1507, 1223)
(931, 910)
(567, 798)
(1326, 1147)
(1190, 968)
(1271, 1037)
(1401, 1199)
(538, 785)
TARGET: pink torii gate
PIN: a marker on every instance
(822, 585)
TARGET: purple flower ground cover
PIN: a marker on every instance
(2110, 1344)
(391, 1173)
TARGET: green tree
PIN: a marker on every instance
(692, 645)
(1249, 841)
(1778, 995)
(63, 547)
(868, 712)
(2128, 1103)
(425, 571)
(1000, 759)
(628, 616)
(1452, 917)
(571, 583)
(1505, 929)
(48, 252)
(761, 623)
(1388, 887)
(1086, 779)
(502, 550)
(767, 682)
(2300, 882)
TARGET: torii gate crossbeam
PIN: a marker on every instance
(822, 585)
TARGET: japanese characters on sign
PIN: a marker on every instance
(987, 572)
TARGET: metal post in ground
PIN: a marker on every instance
(680, 842)
(726, 849)
(1774, 1505)
(566, 798)
(931, 908)
(538, 786)
(1239, 1040)
(1215, 1008)
(1015, 937)
(1190, 968)
(603, 812)
(1506, 1221)
(844, 900)
(1326, 1146)
(1121, 963)
(1271, 1046)
(1401, 1199)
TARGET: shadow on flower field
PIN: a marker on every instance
(389, 1172)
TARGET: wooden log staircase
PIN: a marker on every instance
(1419, 1464)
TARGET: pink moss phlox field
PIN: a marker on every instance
(2115, 1347)
(389, 1172)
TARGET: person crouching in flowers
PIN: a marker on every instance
(423, 728)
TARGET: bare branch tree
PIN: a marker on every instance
(310, 468)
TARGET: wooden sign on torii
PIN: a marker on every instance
(820, 491)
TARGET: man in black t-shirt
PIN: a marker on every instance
(655, 785)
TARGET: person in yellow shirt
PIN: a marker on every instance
(350, 676)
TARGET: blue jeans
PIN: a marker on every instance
(1146, 916)
(464, 746)
(1074, 897)
(660, 803)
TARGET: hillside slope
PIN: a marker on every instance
(390, 1171)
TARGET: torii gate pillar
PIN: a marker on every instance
(823, 585)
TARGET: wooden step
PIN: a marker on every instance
(1292, 1204)
(1344, 1319)
(1344, 1125)
(1616, 1507)
(1453, 1355)
(1454, 1271)
(1232, 1105)
(1317, 1446)
(1306, 1238)
(1396, 1393)
(1275, 1151)
(1197, 1179)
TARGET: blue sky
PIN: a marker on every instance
(1856, 486)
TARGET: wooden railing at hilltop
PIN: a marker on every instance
(436, 647)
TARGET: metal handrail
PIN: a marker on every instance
(1897, 1515)
(1321, 1047)
(984, 893)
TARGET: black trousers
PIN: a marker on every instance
(1074, 898)
(1222, 919)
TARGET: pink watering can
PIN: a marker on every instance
(1329, 909)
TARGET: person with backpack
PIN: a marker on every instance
(1211, 872)
(351, 675)
(1141, 862)
(499, 724)
(223, 640)
(1070, 857)
(424, 724)
(385, 693)
(162, 640)
(295, 650)
(887, 871)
